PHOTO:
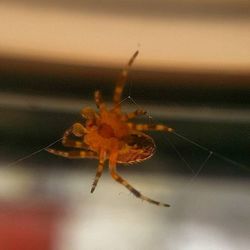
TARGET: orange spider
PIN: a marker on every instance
(107, 135)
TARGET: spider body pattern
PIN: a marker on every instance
(108, 135)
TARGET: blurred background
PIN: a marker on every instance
(192, 73)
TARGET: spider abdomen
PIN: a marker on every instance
(138, 147)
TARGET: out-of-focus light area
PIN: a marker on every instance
(201, 34)
(205, 214)
(192, 73)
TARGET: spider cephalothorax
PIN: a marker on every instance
(108, 135)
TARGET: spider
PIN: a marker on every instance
(108, 135)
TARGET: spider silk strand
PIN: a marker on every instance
(32, 154)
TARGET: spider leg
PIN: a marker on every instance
(88, 113)
(99, 101)
(77, 129)
(99, 170)
(121, 82)
(74, 143)
(74, 154)
(134, 114)
(118, 178)
(147, 127)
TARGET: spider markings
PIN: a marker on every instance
(108, 135)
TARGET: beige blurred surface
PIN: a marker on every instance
(56, 34)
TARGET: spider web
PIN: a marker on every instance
(210, 153)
